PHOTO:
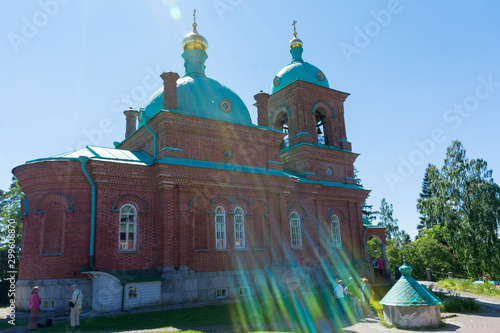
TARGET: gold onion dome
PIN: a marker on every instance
(193, 40)
(295, 42)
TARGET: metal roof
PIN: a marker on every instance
(141, 158)
(408, 292)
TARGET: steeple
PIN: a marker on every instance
(296, 46)
(194, 46)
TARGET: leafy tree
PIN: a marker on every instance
(387, 220)
(374, 248)
(10, 209)
(425, 252)
(468, 204)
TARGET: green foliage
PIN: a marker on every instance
(464, 201)
(459, 304)
(10, 209)
(387, 220)
(369, 215)
(467, 285)
(10, 220)
(460, 207)
(374, 248)
(423, 253)
(426, 202)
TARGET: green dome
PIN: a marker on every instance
(198, 95)
(298, 69)
(202, 97)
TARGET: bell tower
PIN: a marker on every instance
(303, 105)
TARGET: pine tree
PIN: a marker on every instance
(366, 210)
(426, 204)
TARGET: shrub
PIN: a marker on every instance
(459, 304)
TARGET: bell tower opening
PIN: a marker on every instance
(320, 129)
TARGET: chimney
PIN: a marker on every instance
(131, 118)
(262, 115)
(169, 90)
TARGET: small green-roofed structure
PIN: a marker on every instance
(409, 304)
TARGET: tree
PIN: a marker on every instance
(374, 248)
(426, 202)
(10, 210)
(425, 252)
(467, 203)
(10, 219)
(387, 220)
(367, 211)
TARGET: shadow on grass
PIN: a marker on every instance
(297, 313)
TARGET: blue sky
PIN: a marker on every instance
(420, 74)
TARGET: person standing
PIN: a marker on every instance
(77, 299)
(339, 293)
(375, 266)
(352, 290)
(366, 292)
(34, 307)
(380, 267)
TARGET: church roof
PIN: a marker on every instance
(93, 152)
(141, 158)
(298, 69)
(408, 292)
(197, 94)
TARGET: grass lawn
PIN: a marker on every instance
(486, 289)
(309, 312)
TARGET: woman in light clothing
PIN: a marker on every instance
(77, 299)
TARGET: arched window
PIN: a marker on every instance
(320, 130)
(239, 228)
(220, 228)
(336, 239)
(128, 227)
(295, 231)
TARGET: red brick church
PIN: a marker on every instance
(197, 203)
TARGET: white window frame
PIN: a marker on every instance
(335, 232)
(220, 228)
(136, 292)
(244, 291)
(239, 228)
(128, 224)
(221, 293)
(48, 304)
(295, 230)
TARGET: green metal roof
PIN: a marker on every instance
(200, 96)
(143, 275)
(92, 152)
(141, 158)
(408, 292)
(297, 70)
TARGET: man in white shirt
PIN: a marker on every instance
(339, 292)
(77, 299)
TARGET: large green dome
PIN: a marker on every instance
(202, 97)
(197, 94)
(298, 69)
